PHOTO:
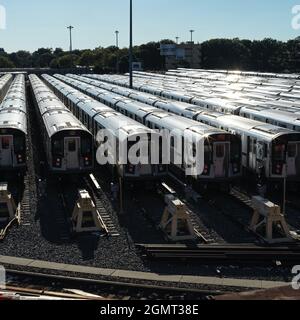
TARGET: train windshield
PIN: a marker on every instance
(292, 150)
(5, 143)
(279, 152)
(207, 154)
(58, 147)
(235, 151)
(19, 145)
(86, 146)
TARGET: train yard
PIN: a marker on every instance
(238, 219)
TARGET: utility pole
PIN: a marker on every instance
(177, 38)
(117, 38)
(130, 50)
(71, 46)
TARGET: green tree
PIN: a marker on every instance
(6, 62)
(87, 58)
(68, 61)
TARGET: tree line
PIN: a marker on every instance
(266, 55)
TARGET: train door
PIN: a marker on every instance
(6, 146)
(221, 154)
(72, 151)
(293, 158)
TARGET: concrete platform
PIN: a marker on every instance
(40, 266)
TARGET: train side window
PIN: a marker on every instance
(5, 143)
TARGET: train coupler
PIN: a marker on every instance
(86, 217)
(176, 222)
(266, 217)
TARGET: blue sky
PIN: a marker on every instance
(32, 24)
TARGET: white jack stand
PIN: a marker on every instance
(176, 222)
(268, 215)
(8, 208)
(85, 215)
(9, 213)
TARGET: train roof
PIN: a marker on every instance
(172, 122)
(13, 119)
(240, 124)
(272, 113)
(57, 121)
(107, 117)
(57, 118)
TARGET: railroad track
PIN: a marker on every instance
(99, 198)
(82, 288)
(230, 254)
(25, 206)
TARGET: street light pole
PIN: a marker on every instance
(192, 31)
(71, 45)
(117, 38)
(130, 50)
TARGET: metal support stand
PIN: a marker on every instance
(176, 222)
(7, 205)
(268, 215)
(85, 217)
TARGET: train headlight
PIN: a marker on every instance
(206, 169)
(236, 168)
(57, 163)
(86, 161)
(131, 168)
(20, 158)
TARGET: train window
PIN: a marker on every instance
(19, 145)
(5, 143)
(58, 148)
(220, 151)
(172, 141)
(86, 147)
(292, 150)
(235, 151)
(266, 150)
(72, 146)
(279, 152)
(207, 154)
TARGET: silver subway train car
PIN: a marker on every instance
(13, 127)
(67, 142)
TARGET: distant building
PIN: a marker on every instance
(182, 55)
(137, 66)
